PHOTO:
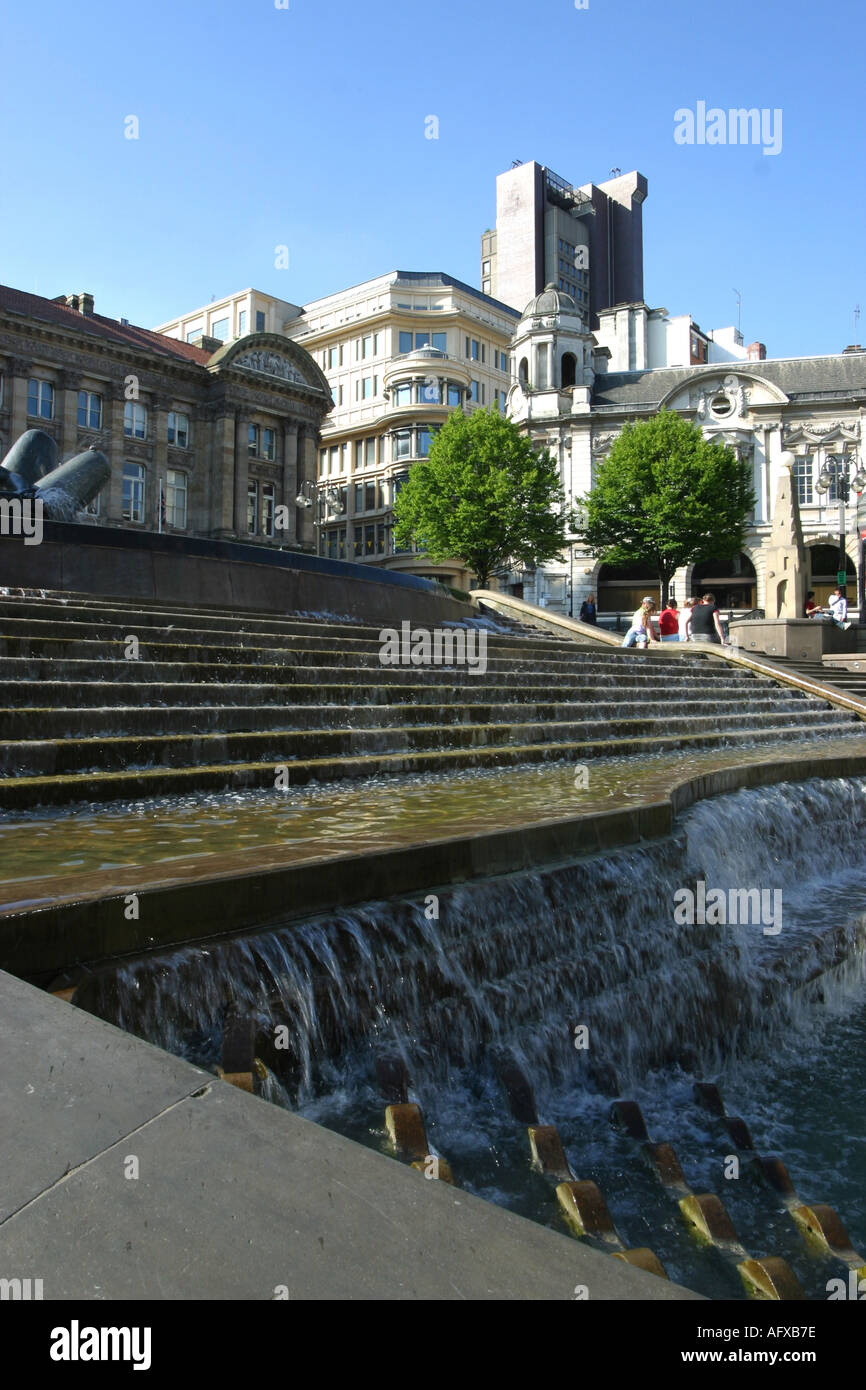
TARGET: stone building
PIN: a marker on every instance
(574, 396)
(204, 438)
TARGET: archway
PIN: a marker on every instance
(733, 581)
(621, 587)
(523, 371)
(823, 565)
(569, 369)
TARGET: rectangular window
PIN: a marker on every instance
(439, 341)
(370, 452)
(252, 508)
(429, 392)
(368, 388)
(135, 420)
(405, 342)
(178, 429)
(132, 505)
(359, 454)
(193, 333)
(40, 399)
(454, 394)
(220, 330)
(253, 441)
(369, 540)
(323, 462)
(359, 498)
(476, 392)
(358, 541)
(175, 499)
(424, 437)
(268, 509)
(89, 411)
(403, 394)
(367, 345)
(242, 323)
(403, 444)
(370, 497)
(475, 354)
(269, 444)
(260, 321)
(335, 459)
(380, 540)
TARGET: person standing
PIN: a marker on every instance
(669, 622)
(706, 623)
(685, 620)
(588, 613)
(641, 631)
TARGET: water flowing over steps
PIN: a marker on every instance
(219, 700)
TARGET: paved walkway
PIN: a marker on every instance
(233, 1198)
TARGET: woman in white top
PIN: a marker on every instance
(641, 630)
(686, 620)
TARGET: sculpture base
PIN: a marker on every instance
(801, 639)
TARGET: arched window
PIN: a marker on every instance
(569, 369)
(523, 371)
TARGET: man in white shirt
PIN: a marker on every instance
(839, 608)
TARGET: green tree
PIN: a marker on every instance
(666, 496)
(484, 496)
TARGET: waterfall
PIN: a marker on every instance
(512, 965)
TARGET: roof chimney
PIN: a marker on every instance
(756, 352)
(85, 302)
(72, 302)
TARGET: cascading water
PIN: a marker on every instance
(509, 968)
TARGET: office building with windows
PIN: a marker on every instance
(399, 353)
(204, 438)
(587, 241)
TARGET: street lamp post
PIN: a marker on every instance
(324, 497)
(837, 469)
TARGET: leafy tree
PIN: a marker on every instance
(484, 496)
(666, 496)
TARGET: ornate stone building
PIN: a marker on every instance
(204, 438)
(568, 394)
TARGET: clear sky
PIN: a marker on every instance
(305, 126)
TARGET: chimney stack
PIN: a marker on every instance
(72, 302)
(85, 302)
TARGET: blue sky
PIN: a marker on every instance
(305, 127)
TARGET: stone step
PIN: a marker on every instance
(151, 717)
(53, 694)
(317, 651)
(50, 757)
(26, 792)
(311, 636)
(289, 672)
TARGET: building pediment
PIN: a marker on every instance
(721, 396)
(266, 355)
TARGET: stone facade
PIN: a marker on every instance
(812, 407)
(204, 439)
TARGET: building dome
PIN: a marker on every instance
(551, 302)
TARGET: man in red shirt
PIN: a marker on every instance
(669, 622)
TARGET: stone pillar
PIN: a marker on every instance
(66, 410)
(159, 460)
(290, 478)
(219, 521)
(307, 460)
(20, 369)
(241, 478)
(115, 402)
